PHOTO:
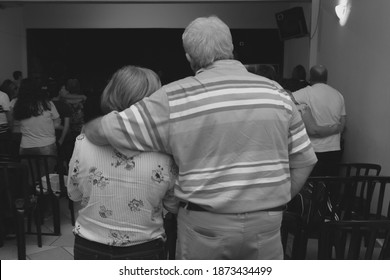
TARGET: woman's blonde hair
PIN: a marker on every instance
(127, 86)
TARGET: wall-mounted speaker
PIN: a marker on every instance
(291, 23)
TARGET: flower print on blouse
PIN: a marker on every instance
(158, 175)
(97, 179)
(84, 201)
(122, 196)
(121, 160)
(120, 238)
(105, 213)
(135, 205)
(75, 173)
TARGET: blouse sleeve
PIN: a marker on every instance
(73, 184)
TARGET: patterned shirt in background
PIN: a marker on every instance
(234, 135)
(4, 108)
(122, 196)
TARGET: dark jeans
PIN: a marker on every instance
(90, 250)
(327, 164)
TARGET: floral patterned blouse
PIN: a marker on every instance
(122, 197)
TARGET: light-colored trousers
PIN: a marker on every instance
(211, 236)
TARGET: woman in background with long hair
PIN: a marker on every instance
(38, 118)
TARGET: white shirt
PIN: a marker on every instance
(122, 196)
(327, 106)
(4, 107)
(39, 131)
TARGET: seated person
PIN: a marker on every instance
(122, 195)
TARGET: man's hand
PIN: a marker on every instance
(94, 132)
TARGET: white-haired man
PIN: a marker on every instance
(240, 145)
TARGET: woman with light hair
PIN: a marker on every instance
(122, 195)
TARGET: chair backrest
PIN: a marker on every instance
(311, 202)
(360, 197)
(366, 239)
(40, 169)
(14, 184)
(9, 144)
(359, 169)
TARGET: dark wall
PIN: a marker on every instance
(92, 55)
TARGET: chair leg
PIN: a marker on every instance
(56, 215)
(303, 245)
(71, 209)
(37, 215)
(20, 234)
(2, 233)
(29, 217)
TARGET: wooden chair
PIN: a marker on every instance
(40, 169)
(357, 198)
(346, 237)
(364, 198)
(358, 169)
(17, 201)
(291, 229)
(305, 223)
(9, 144)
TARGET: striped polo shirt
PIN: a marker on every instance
(234, 136)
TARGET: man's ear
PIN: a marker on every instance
(188, 58)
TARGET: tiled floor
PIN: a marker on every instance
(53, 247)
(61, 247)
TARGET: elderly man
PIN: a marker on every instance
(327, 106)
(239, 142)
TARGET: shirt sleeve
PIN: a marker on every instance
(74, 180)
(143, 127)
(54, 112)
(343, 111)
(5, 104)
(301, 152)
(300, 95)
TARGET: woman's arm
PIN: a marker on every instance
(65, 130)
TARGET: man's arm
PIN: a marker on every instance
(65, 130)
(94, 132)
(298, 178)
(343, 121)
(315, 130)
(301, 154)
(144, 126)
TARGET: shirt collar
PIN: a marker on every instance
(226, 63)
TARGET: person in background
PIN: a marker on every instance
(65, 112)
(268, 71)
(239, 142)
(72, 95)
(297, 80)
(18, 77)
(122, 194)
(38, 118)
(10, 88)
(328, 108)
(5, 115)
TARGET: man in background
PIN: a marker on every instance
(327, 107)
(239, 143)
(18, 77)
